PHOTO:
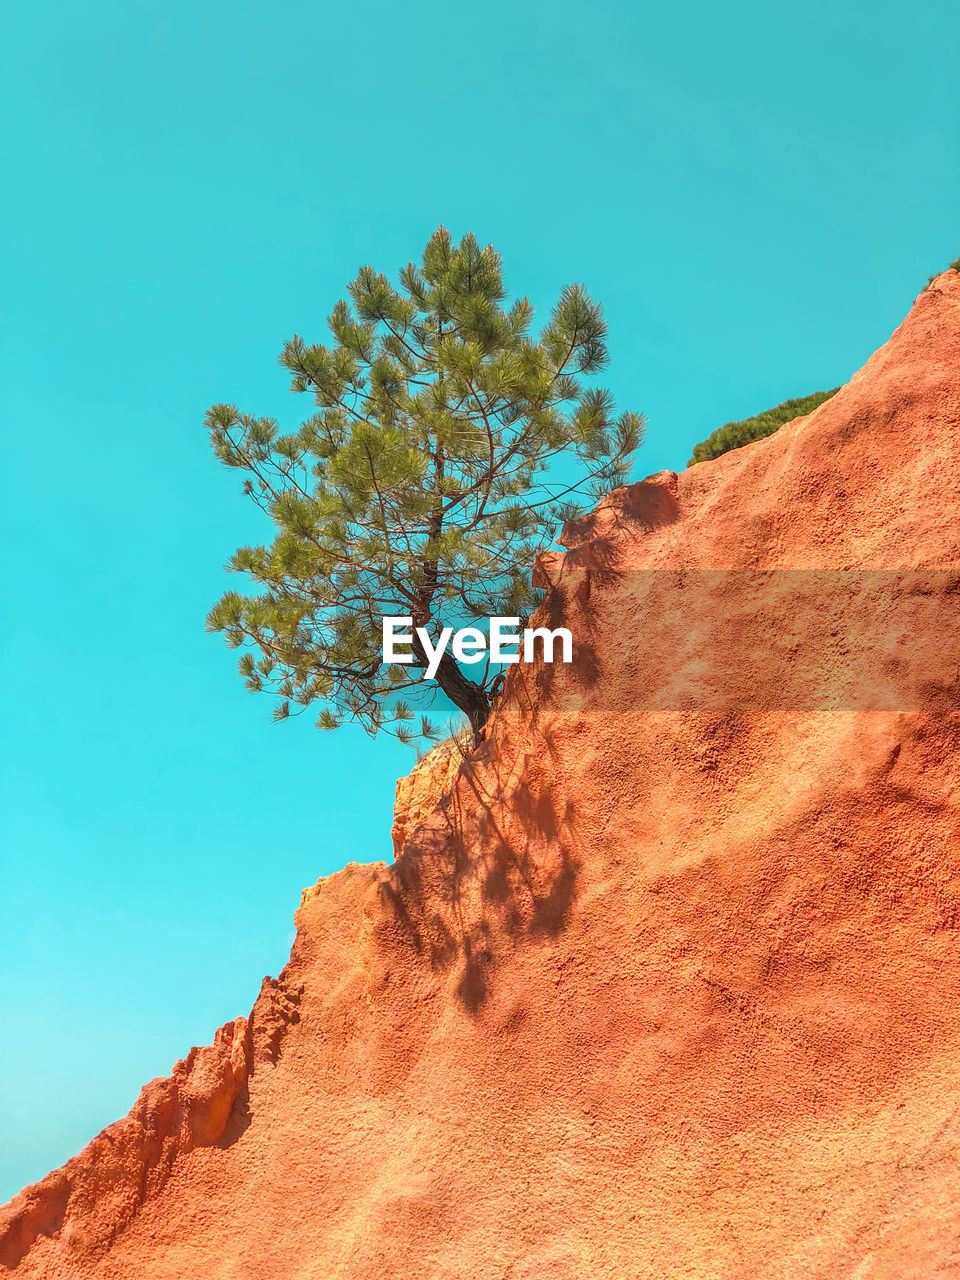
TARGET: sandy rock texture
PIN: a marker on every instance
(418, 793)
(659, 990)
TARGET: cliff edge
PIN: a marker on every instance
(660, 987)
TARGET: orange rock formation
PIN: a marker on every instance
(653, 991)
(418, 793)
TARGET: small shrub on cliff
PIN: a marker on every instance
(734, 434)
(419, 486)
(954, 266)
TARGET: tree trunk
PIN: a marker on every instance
(472, 700)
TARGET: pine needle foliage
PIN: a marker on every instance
(735, 434)
(422, 484)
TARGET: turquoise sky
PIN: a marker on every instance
(756, 191)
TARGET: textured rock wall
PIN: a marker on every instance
(419, 792)
(652, 991)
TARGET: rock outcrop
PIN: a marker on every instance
(661, 987)
(95, 1195)
(423, 787)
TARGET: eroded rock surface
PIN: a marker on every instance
(419, 793)
(651, 992)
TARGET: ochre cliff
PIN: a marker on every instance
(657, 991)
(418, 793)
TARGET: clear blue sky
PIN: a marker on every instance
(756, 191)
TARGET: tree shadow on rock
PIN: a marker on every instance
(492, 868)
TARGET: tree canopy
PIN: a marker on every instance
(423, 484)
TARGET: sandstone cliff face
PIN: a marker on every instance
(654, 991)
(420, 791)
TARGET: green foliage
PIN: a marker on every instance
(954, 266)
(420, 484)
(734, 434)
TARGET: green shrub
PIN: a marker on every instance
(954, 266)
(734, 434)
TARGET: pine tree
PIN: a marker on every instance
(423, 485)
